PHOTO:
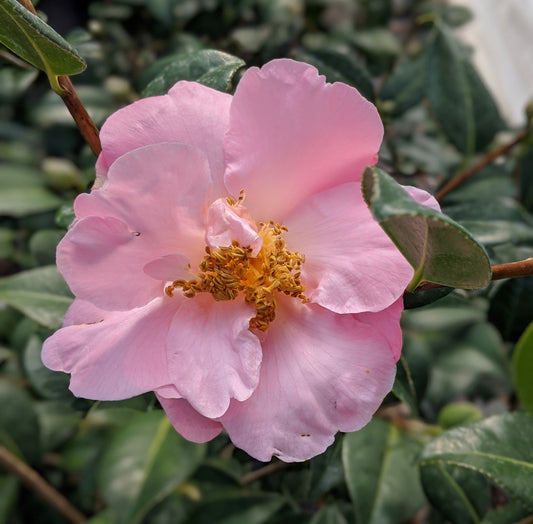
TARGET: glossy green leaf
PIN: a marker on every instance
(40, 293)
(57, 421)
(458, 98)
(461, 495)
(145, 461)
(511, 306)
(339, 67)
(255, 508)
(209, 67)
(407, 85)
(22, 191)
(329, 514)
(49, 384)
(439, 249)
(19, 426)
(404, 387)
(381, 474)
(8, 495)
(36, 42)
(514, 511)
(498, 447)
(523, 368)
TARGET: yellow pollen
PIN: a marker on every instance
(227, 271)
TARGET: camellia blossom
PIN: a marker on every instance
(226, 260)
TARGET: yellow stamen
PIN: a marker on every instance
(229, 270)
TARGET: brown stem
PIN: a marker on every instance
(88, 130)
(32, 480)
(523, 268)
(464, 175)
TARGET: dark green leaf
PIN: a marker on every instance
(498, 447)
(208, 67)
(255, 508)
(22, 191)
(458, 98)
(381, 474)
(37, 43)
(511, 306)
(407, 85)
(329, 514)
(145, 461)
(49, 384)
(404, 387)
(40, 293)
(440, 250)
(8, 495)
(58, 422)
(514, 511)
(339, 67)
(523, 368)
(19, 427)
(461, 495)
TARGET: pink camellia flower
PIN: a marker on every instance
(227, 261)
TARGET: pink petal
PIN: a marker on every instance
(423, 197)
(227, 223)
(169, 267)
(188, 422)
(152, 205)
(351, 265)
(82, 312)
(191, 114)
(213, 356)
(292, 134)
(120, 356)
(321, 373)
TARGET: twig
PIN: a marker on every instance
(263, 472)
(87, 128)
(464, 175)
(32, 480)
(523, 268)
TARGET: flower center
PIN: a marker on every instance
(229, 270)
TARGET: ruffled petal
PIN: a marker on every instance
(213, 356)
(226, 223)
(191, 114)
(188, 422)
(120, 355)
(351, 265)
(153, 204)
(292, 134)
(321, 373)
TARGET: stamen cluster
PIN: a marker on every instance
(229, 270)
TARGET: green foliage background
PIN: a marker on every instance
(452, 443)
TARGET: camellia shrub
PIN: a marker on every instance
(266, 262)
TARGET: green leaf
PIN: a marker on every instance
(37, 43)
(458, 98)
(511, 306)
(40, 293)
(209, 67)
(381, 474)
(498, 447)
(8, 495)
(22, 191)
(144, 463)
(339, 67)
(256, 508)
(58, 422)
(461, 495)
(523, 368)
(49, 384)
(439, 249)
(329, 514)
(19, 426)
(407, 85)
(404, 387)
